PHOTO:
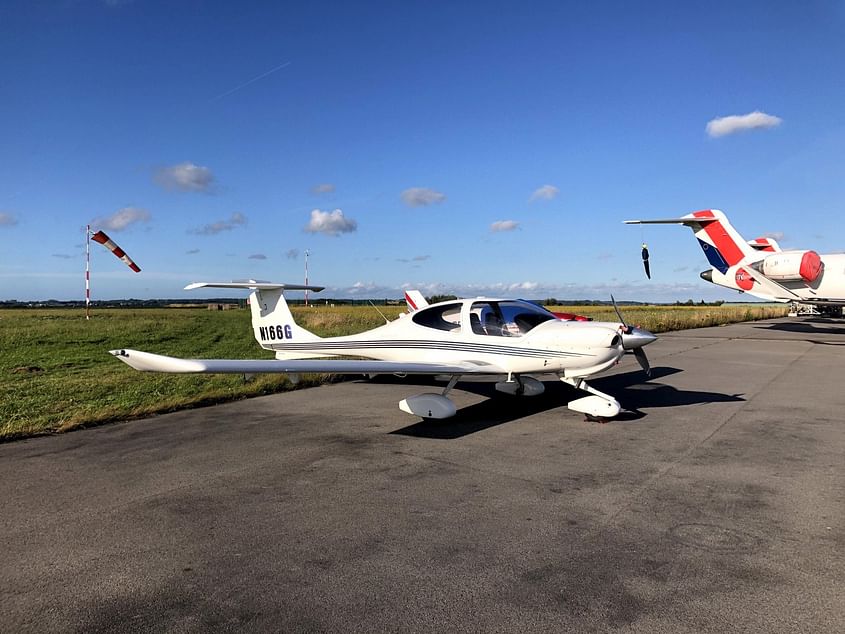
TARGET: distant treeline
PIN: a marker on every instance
(241, 301)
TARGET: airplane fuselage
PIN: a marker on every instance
(445, 332)
(828, 287)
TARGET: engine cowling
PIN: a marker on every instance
(803, 266)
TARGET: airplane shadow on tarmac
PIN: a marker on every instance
(822, 327)
(631, 389)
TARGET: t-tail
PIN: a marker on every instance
(721, 243)
(734, 260)
(272, 321)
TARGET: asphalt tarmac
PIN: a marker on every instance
(716, 505)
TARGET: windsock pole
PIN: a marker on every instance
(87, 271)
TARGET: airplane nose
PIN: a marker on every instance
(636, 338)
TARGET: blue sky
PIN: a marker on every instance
(461, 147)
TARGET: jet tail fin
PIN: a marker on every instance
(723, 246)
(769, 245)
(415, 300)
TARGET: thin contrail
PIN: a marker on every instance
(253, 80)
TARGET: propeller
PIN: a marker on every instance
(633, 339)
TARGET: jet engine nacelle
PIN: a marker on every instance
(803, 266)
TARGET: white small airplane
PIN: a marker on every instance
(760, 267)
(511, 339)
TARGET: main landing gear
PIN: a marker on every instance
(430, 405)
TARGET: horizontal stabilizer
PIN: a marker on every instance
(254, 285)
(673, 221)
(149, 362)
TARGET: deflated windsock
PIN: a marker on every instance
(107, 242)
(645, 261)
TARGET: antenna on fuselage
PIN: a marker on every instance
(386, 320)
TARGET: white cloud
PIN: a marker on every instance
(323, 188)
(722, 126)
(422, 197)
(504, 225)
(185, 177)
(330, 223)
(237, 220)
(7, 219)
(257, 256)
(121, 219)
(777, 236)
(369, 288)
(623, 290)
(546, 192)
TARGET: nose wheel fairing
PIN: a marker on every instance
(597, 406)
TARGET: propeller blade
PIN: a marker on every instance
(625, 327)
(644, 364)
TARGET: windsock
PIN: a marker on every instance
(107, 242)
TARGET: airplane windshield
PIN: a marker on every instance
(506, 319)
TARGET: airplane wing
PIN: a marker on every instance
(149, 362)
(770, 287)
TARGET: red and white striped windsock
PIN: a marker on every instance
(107, 242)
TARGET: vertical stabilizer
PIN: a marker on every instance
(415, 300)
(272, 321)
(721, 243)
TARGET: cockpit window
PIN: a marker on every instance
(506, 319)
(446, 317)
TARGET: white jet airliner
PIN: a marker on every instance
(760, 267)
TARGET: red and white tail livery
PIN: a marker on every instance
(760, 267)
(415, 300)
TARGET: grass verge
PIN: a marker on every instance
(56, 373)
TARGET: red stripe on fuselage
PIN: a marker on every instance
(724, 243)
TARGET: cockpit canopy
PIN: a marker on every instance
(496, 318)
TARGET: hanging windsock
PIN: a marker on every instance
(107, 242)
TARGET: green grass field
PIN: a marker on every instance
(56, 373)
